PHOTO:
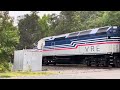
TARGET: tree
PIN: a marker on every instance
(29, 30)
(71, 21)
(112, 18)
(9, 36)
(105, 18)
(53, 23)
(62, 23)
(44, 22)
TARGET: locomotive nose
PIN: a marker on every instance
(113, 32)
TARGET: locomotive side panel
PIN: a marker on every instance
(114, 48)
(81, 49)
(90, 49)
(61, 52)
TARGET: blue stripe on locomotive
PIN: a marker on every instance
(69, 40)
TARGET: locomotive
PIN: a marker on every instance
(98, 47)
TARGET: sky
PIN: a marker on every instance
(15, 14)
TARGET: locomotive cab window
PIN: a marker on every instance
(102, 30)
(73, 34)
(85, 32)
(60, 38)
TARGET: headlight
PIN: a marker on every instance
(114, 27)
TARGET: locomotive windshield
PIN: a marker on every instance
(73, 34)
(85, 32)
(102, 30)
(60, 38)
(114, 32)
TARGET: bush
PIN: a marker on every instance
(5, 66)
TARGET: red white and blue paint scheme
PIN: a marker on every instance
(100, 42)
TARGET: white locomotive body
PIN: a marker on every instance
(84, 44)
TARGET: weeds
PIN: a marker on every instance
(17, 74)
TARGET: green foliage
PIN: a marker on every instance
(71, 21)
(29, 30)
(45, 27)
(63, 22)
(105, 18)
(5, 66)
(21, 74)
(9, 38)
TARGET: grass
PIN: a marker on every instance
(21, 74)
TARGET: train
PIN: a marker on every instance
(93, 47)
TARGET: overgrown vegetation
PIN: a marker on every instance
(17, 74)
(5, 66)
(9, 39)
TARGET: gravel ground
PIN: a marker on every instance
(77, 72)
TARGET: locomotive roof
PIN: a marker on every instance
(83, 32)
